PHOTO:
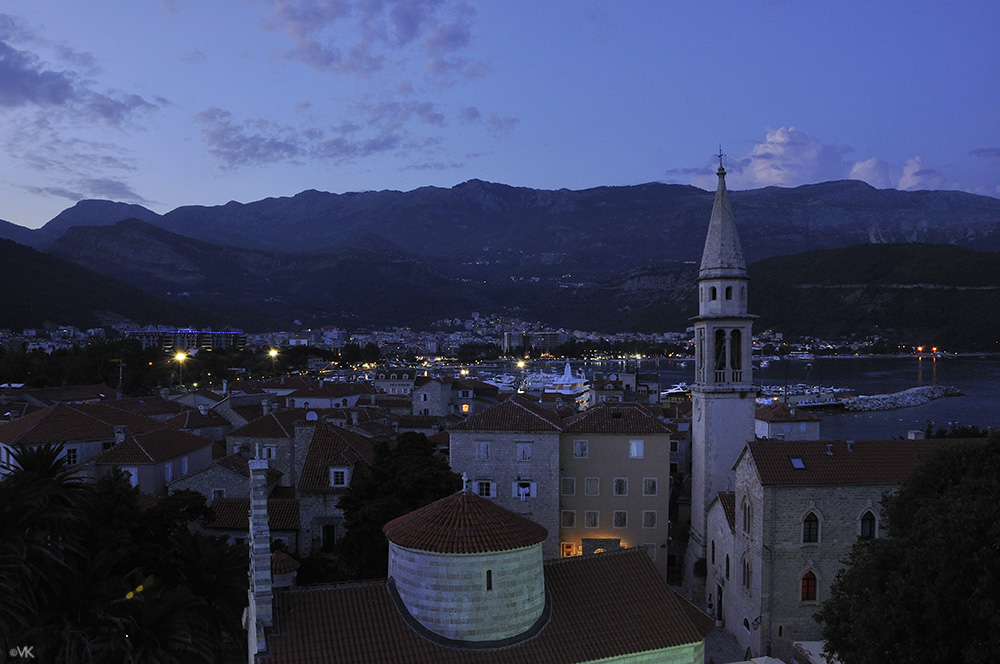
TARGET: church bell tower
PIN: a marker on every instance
(723, 401)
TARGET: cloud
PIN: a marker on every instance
(24, 81)
(788, 157)
(917, 176)
(987, 153)
(249, 142)
(80, 189)
(874, 171)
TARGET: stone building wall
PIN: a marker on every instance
(504, 470)
(471, 597)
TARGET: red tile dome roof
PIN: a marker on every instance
(463, 523)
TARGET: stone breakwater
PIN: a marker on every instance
(913, 397)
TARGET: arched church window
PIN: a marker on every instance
(868, 525)
(727, 565)
(810, 528)
(729, 292)
(712, 293)
(736, 351)
(808, 587)
(720, 351)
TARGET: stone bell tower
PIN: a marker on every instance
(723, 401)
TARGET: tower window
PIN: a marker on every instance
(729, 292)
(713, 294)
(489, 579)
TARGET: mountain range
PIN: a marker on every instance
(612, 258)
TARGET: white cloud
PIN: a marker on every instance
(874, 171)
(917, 176)
(787, 157)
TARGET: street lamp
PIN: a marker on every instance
(273, 354)
(180, 357)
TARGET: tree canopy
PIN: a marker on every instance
(930, 590)
(404, 477)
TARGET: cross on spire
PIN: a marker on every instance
(721, 155)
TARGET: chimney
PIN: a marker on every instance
(791, 411)
(225, 387)
(265, 406)
(354, 417)
(260, 593)
(121, 432)
(203, 409)
(850, 444)
(829, 449)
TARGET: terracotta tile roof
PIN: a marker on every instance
(333, 391)
(152, 447)
(518, 413)
(281, 562)
(237, 463)
(441, 438)
(377, 430)
(333, 446)
(70, 394)
(67, 423)
(782, 412)
(463, 523)
(728, 501)
(276, 424)
(618, 418)
(193, 419)
(146, 406)
(234, 514)
(603, 606)
(867, 462)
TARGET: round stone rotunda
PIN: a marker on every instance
(467, 573)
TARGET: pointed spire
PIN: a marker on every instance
(723, 256)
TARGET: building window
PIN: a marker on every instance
(580, 450)
(674, 468)
(592, 486)
(747, 572)
(745, 510)
(635, 449)
(71, 456)
(746, 626)
(591, 519)
(269, 451)
(423, 397)
(869, 529)
(673, 446)
(184, 465)
(168, 471)
(729, 292)
(465, 409)
(620, 519)
(620, 486)
(339, 477)
(482, 451)
(649, 518)
(524, 452)
(465, 394)
(713, 293)
(649, 486)
(727, 565)
(810, 528)
(489, 579)
(523, 489)
(713, 552)
(568, 519)
(568, 486)
(486, 489)
(809, 587)
(566, 549)
(218, 493)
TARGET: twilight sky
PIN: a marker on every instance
(177, 102)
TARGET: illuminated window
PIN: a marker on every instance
(809, 587)
(566, 549)
(635, 449)
(465, 409)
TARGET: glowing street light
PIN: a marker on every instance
(273, 354)
(180, 357)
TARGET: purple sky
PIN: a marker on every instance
(184, 102)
